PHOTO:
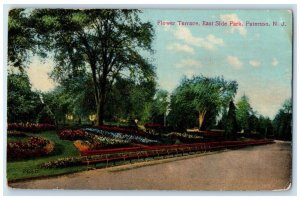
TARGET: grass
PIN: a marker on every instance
(30, 168)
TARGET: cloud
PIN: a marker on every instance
(234, 18)
(275, 61)
(210, 42)
(234, 62)
(254, 63)
(189, 63)
(181, 48)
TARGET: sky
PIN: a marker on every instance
(259, 58)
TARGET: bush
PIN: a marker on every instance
(34, 147)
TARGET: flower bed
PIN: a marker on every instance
(184, 137)
(63, 162)
(85, 140)
(74, 135)
(127, 130)
(28, 127)
(121, 136)
(34, 147)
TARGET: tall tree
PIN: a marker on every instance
(231, 123)
(101, 43)
(204, 95)
(244, 113)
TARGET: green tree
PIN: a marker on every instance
(23, 105)
(205, 96)
(282, 122)
(231, 123)
(20, 38)
(244, 113)
(265, 127)
(71, 97)
(159, 107)
(101, 43)
(129, 99)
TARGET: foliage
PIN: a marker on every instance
(34, 147)
(101, 44)
(244, 113)
(231, 123)
(46, 116)
(20, 38)
(159, 107)
(74, 96)
(200, 99)
(265, 127)
(23, 105)
(129, 99)
(282, 122)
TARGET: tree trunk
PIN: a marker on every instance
(100, 111)
(101, 104)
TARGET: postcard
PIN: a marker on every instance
(149, 99)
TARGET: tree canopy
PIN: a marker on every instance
(204, 96)
(244, 114)
(22, 103)
(20, 38)
(282, 122)
(101, 44)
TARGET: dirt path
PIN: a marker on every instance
(264, 167)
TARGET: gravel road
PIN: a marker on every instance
(266, 167)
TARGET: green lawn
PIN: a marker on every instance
(31, 167)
